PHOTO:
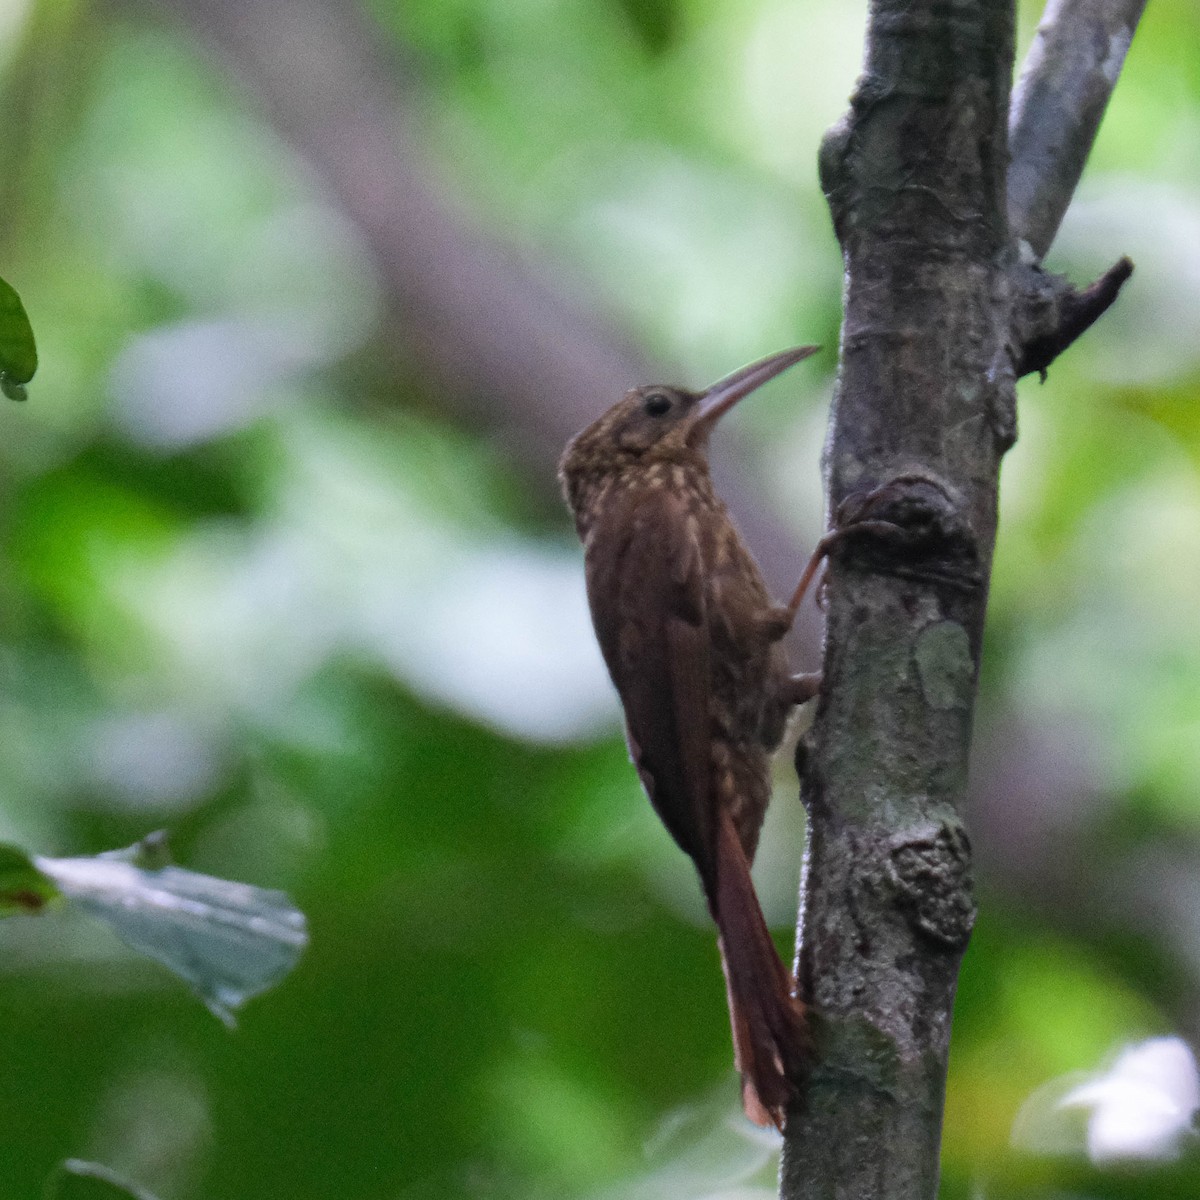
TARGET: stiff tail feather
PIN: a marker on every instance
(770, 1039)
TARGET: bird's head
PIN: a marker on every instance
(659, 424)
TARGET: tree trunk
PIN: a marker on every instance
(944, 309)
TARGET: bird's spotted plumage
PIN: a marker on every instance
(692, 642)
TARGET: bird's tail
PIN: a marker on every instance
(770, 1038)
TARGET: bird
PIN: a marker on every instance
(693, 644)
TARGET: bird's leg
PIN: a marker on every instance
(776, 621)
(826, 544)
(853, 517)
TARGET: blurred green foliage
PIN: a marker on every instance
(23, 888)
(258, 588)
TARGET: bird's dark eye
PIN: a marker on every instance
(657, 404)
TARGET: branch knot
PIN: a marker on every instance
(930, 873)
(912, 526)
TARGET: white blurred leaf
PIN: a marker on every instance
(1142, 1107)
(78, 1180)
(228, 941)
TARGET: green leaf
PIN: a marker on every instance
(78, 1180)
(18, 353)
(23, 888)
(228, 941)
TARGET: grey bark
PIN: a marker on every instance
(941, 316)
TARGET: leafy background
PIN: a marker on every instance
(271, 582)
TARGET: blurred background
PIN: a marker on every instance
(321, 288)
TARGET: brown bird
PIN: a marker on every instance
(693, 645)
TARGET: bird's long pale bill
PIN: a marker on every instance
(723, 395)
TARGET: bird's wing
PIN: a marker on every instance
(646, 587)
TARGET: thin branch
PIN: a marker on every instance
(1068, 77)
(1051, 314)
